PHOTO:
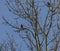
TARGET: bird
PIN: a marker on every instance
(49, 4)
(21, 26)
(19, 29)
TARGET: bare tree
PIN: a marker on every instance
(9, 45)
(41, 33)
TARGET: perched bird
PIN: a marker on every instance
(49, 4)
(21, 26)
(19, 29)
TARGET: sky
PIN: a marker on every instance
(5, 28)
